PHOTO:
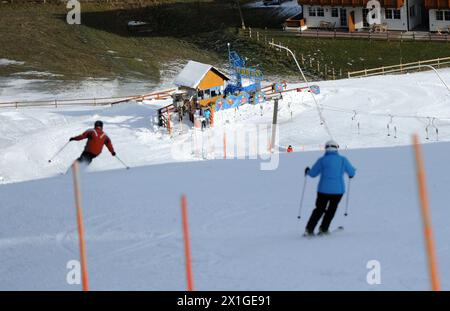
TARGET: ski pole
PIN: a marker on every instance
(59, 151)
(301, 200)
(126, 166)
(348, 194)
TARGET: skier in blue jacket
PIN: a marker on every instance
(331, 168)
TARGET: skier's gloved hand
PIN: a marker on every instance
(307, 170)
(351, 177)
(113, 154)
(71, 139)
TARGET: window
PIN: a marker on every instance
(439, 15)
(334, 12)
(364, 14)
(311, 11)
(388, 14)
(447, 15)
(320, 12)
(343, 17)
(392, 14)
(412, 11)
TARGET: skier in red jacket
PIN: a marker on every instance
(94, 146)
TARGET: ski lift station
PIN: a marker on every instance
(202, 81)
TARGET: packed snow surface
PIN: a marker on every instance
(245, 233)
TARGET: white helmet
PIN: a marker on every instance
(331, 145)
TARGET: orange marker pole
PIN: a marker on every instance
(427, 227)
(187, 248)
(76, 183)
(224, 145)
(168, 123)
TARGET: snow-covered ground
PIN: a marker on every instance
(244, 227)
(7, 62)
(245, 234)
(29, 137)
(286, 8)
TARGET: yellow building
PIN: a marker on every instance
(203, 82)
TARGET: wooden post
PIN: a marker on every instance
(334, 74)
(187, 247)
(426, 217)
(83, 261)
(250, 32)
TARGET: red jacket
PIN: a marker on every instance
(96, 139)
(290, 149)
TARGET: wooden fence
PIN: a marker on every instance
(105, 101)
(327, 71)
(368, 35)
(315, 68)
(438, 63)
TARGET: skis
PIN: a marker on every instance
(337, 229)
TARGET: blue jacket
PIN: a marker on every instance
(331, 168)
(207, 114)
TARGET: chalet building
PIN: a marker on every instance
(202, 82)
(401, 15)
(439, 15)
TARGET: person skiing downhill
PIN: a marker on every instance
(94, 146)
(331, 168)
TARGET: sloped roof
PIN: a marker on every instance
(193, 73)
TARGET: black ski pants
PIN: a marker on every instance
(86, 157)
(323, 200)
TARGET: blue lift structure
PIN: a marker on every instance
(250, 75)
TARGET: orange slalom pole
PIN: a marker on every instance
(76, 183)
(427, 227)
(187, 247)
(224, 145)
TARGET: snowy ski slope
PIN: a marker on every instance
(244, 227)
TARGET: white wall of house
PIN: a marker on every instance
(393, 24)
(435, 25)
(314, 21)
(396, 24)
